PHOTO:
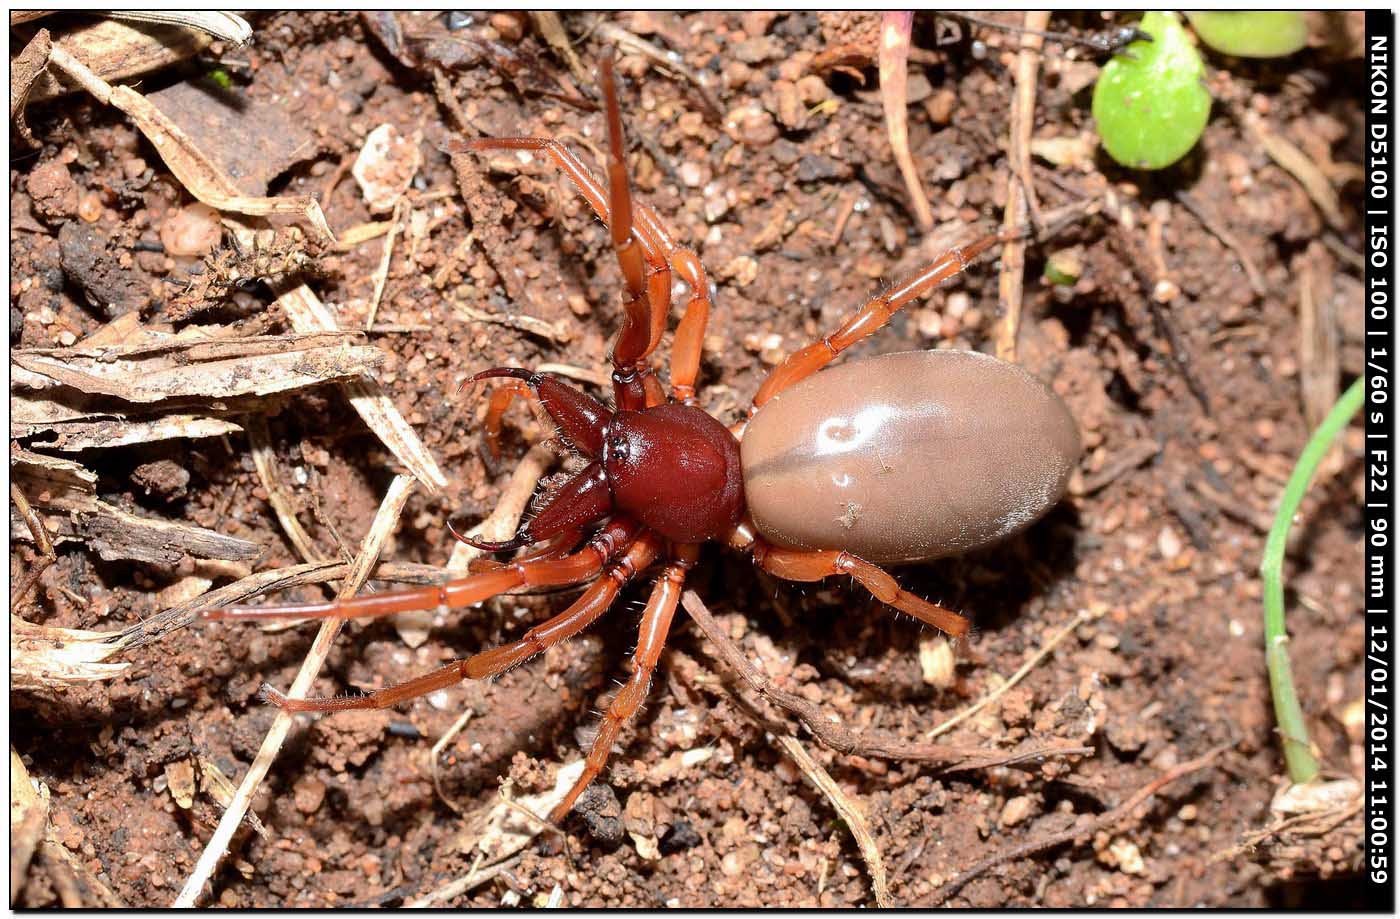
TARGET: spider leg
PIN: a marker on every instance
(872, 316)
(816, 564)
(461, 592)
(582, 613)
(659, 250)
(656, 623)
(690, 334)
(648, 295)
(644, 265)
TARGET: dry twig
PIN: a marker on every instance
(436, 752)
(1299, 165)
(116, 51)
(385, 520)
(177, 617)
(895, 32)
(381, 274)
(1020, 194)
(473, 879)
(1104, 821)
(27, 67)
(226, 26)
(27, 419)
(504, 519)
(197, 172)
(260, 445)
(1122, 238)
(307, 314)
(29, 814)
(251, 369)
(1082, 617)
(65, 486)
(597, 375)
(868, 743)
(41, 542)
(1319, 341)
(208, 182)
(1216, 229)
(551, 28)
(849, 810)
(668, 61)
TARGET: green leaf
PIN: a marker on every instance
(1256, 34)
(1151, 102)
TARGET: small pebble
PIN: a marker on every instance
(90, 207)
(929, 322)
(692, 176)
(193, 230)
(508, 26)
(1168, 543)
(1017, 810)
(751, 125)
(601, 812)
(812, 89)
(716, 202)
(308, 794)
(789, 106)
(1129, 857)
(679, 837)
(771, 350)
(940, 105)
(937, 661)
(1126, 734)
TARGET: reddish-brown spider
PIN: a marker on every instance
(898, 458)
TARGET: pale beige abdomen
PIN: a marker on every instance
(907, 457)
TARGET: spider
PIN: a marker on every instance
(899, 458)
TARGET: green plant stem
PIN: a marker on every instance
(1297, 750)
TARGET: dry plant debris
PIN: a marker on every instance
(118, 50)
(66, 487)
(258, 366)
(950, 757)
(384, 523)
(1119, 815)
(1021, 203)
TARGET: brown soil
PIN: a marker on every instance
(1191, 410)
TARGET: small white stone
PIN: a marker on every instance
(937, 661)
(1168, 543)
(386, 166)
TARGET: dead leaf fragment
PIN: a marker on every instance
(117, 50)
(46, 659)
(179, 778)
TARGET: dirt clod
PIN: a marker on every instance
(601, 814)
(52, 191)
(165, 478)
(92, 263)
